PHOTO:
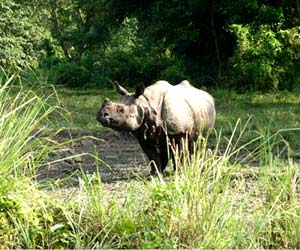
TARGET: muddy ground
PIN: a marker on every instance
(118, 157)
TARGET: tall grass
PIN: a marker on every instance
(241, 195)
(212, 201)
(21, 151)
(21, 114)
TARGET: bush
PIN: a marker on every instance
(21, 35)
(174, 73)
(265, 59)
(71, 74)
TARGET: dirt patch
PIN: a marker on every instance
(118, 157)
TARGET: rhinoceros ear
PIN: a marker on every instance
(139, 90)
(140, 115)
(119, 88)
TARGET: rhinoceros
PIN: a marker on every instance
(159, 114)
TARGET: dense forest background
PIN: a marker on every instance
(235, 44)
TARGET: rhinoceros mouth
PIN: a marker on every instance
(105, 121)
(109, 122)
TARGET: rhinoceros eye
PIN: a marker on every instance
(121, 110)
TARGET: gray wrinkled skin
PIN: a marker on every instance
(158, 112)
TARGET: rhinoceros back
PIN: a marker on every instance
(156, 92)
(186, 108)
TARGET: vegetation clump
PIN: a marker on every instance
(241, 45)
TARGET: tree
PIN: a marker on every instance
(194, 31)
(132, 40)
(199, 32)
(21, 34)
(80, 25)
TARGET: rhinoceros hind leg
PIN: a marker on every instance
(164, 155)
(174, 148)
(180, 144)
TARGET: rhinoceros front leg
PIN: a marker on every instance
(153, 155)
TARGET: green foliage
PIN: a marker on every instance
(211, 202)
(26, 216)
(123, 59)
(20, 121)
(21, 35)
(197, 33)
(79, 26)
(70, 74)
(242, 44)
(289, 58)
(29, 219)
(265, 59)
(175, 72)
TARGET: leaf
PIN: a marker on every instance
(56, 227)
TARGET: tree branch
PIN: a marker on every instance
(56, 28)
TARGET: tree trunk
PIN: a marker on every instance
(213, 28)
(56, 28)
(298, 11)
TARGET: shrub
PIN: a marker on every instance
(265, 59)
(174, 73)
(21, 34)
(71, 74)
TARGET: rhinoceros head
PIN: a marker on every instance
(127, 114)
